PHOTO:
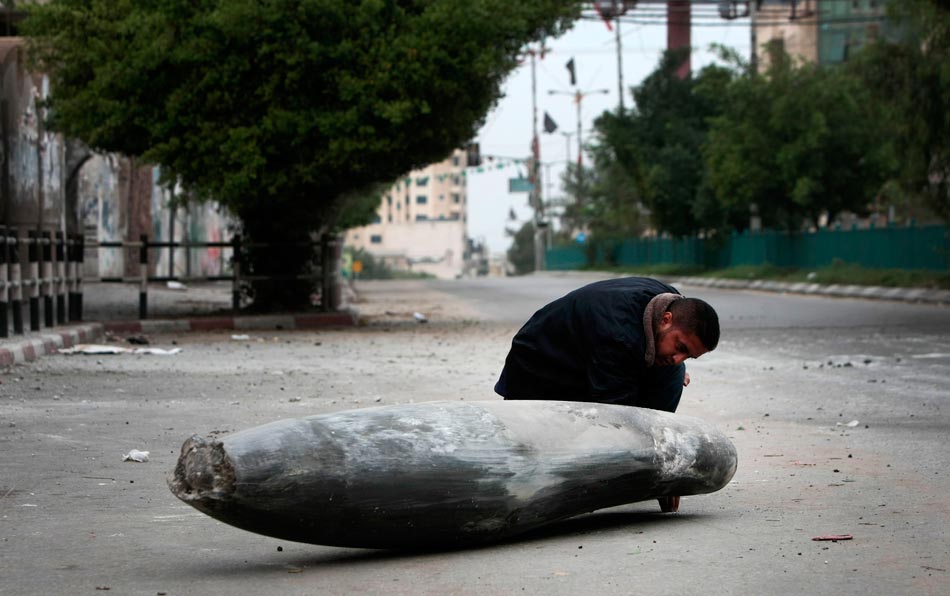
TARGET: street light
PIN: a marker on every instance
(578, 99)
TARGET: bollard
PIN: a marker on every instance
(325, 287)
(34, 273)
(72, 259)
(143, 284)
(60, 278)
(46, 281)
(16, 282)
(4, 284)
(236, 280)
(80, 259)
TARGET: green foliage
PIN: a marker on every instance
(521, 252)
(798, 142)
(280, 109)
(359, 208)
(374, 268)
(911, 76)
(649, 160)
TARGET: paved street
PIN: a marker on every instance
(790, 376)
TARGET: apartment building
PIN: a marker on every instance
(420, 224)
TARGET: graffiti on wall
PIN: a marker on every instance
(35, 163)
(99, 214)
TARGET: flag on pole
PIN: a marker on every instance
(549, 124)
(570, 69)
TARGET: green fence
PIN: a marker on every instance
(892, 247)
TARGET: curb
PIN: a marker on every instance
(32, 348)
(29, 349)
(914, 295)
(286, 322)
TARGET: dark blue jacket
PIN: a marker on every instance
(587, 346)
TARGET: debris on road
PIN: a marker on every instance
(100, 349)
(851, 424)
(834, 537)
(240, 337)
(420, 317)
(136, 455)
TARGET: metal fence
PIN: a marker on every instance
(890, 247)
(53, 271)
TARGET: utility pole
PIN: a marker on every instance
(567, 142)
(578, 100)
(619, 64)
(535, 176)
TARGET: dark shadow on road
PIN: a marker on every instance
(604, 523)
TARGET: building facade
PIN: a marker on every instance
(822, 31)
(420, 224)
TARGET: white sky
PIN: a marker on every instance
(508, 128)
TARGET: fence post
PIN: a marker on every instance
(34, 260)
(16, 280)
(46, 273)
(4, 279)
(325, 271)
(143, 284)
(80, 260)
(236, 267)
(72, 246)
(60, 278)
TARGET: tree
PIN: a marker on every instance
(911, 76)
(649, 160)
(280, 109)
(796, 143)
(521, 251)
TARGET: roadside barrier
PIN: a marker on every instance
(54, 273)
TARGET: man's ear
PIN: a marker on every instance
(666, 320)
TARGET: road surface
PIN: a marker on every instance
(838, 408)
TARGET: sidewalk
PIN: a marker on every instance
(113, 308)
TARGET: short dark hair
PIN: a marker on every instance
(696, 317)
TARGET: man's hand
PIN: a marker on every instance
(686, 380)
(669, 504)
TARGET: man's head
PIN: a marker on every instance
(688, 329)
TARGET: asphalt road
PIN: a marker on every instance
(790, 377)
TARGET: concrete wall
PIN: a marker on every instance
(49, 184)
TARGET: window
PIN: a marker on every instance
(422, 181)
(421, 199)
(456, 198)
(422, 217)
(390, 218)
(441, 197)
(377, 219)
(376, 239)
(455, 160)
(389, 199)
